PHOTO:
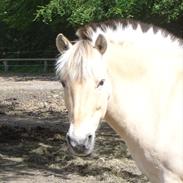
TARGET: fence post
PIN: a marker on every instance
(5, 62)
(45, 65)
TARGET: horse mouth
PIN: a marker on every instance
(80, 153)
(81, 150)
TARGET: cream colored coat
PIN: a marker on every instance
(142, 98)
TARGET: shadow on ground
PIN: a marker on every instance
(33, 125)
(24, 150)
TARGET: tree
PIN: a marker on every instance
(74, 13)
(29, 27)
(22, 35)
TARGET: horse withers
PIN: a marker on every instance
(130, 74)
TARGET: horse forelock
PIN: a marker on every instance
(74, 62)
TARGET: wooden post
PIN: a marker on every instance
(5, 62)
(45, 66)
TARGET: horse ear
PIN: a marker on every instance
(101, 44)
(62, 43)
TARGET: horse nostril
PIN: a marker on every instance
(89, 138)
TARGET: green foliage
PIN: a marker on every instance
(21, 36)
(19, 14)
(71, 12)
(49, 11)
(29, 27)
(79, 12)
(169, 10)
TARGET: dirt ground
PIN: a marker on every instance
(33, 124)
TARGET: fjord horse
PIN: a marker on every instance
(130, 74)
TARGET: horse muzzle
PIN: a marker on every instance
(80, 147)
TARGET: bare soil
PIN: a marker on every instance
(33, 124)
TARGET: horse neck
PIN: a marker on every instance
(138, 80)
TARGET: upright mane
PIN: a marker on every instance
(125, 26)
(115, 32)
(88, 30)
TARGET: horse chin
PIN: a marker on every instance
(85, 153)
(81, 153)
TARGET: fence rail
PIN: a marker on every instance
(6, 62)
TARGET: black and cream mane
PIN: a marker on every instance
(85, 31)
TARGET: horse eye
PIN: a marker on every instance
(101, 83)
(63, 84)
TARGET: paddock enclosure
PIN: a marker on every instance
(33, 124)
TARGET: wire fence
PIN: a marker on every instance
(44, 63)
